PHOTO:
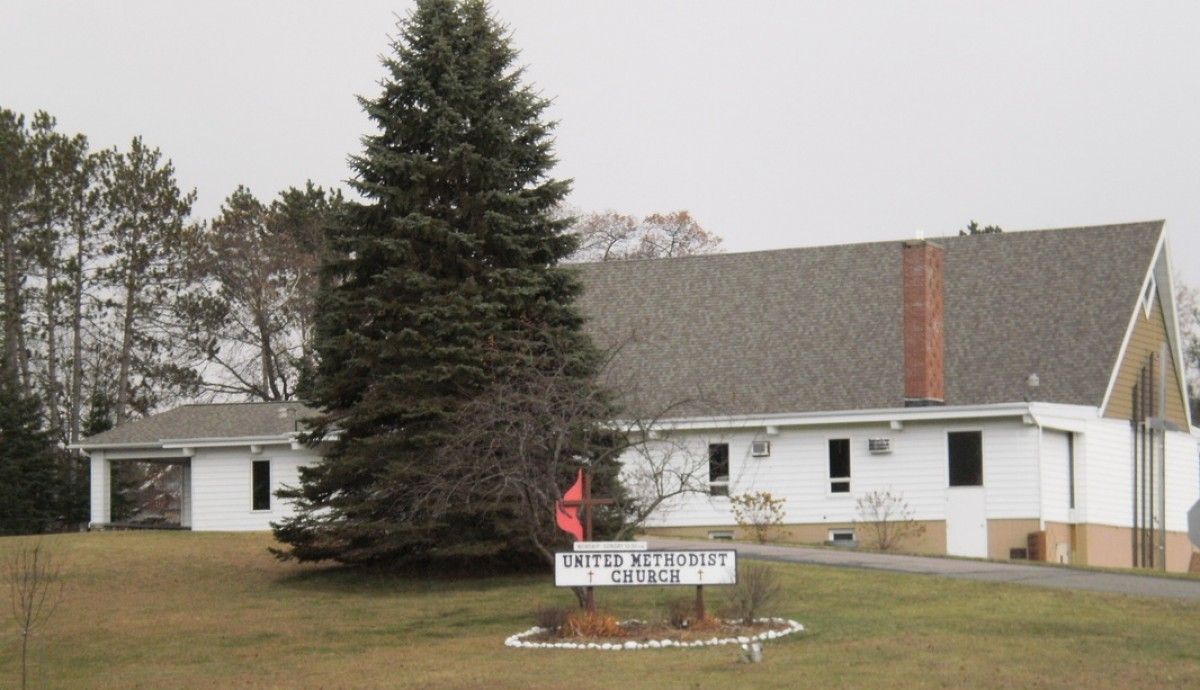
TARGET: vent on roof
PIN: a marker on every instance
(879, 446)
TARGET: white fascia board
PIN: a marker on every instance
(219, 442)
(85, 447)
(879, 416)
(1137, 309)
(1062, 417)
(147, 454)
(1174, 336)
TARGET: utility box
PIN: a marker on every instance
(1036, 546)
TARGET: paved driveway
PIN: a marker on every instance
(965, 569)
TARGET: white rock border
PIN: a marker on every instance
(518, 640)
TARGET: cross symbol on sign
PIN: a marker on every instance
(700, 574)
(590, 573)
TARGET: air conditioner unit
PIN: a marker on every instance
(879, 445)
(760, 449)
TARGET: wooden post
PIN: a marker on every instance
(589, 599)
(700, 614)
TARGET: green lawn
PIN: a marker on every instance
(168, 610)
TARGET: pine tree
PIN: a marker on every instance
(442, 282)
(27, 469)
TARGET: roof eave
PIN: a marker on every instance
(875, 416)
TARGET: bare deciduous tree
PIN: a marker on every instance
(519, 444)
(1187, 304)
(887, 520)
(35, 592)
(610, 236)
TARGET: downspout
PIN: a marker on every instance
(1040, 477)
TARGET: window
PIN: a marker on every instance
(966, 458)
(841, 536)
(1070, 470)
(839, 465)
(718, 469)
(261, 484)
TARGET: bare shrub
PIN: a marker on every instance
(551, 617)
(760, 513)
(583, 623)
(757, 588)
(886, 520)
(35, 591)
(681, 612)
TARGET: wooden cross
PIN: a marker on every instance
(587, 503)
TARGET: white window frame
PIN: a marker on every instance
(270, 485)
(841, 530)
(982, 456)
(829, 479)
(1148, 296)
(729, 468)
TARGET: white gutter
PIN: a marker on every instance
(289, 438)
(851, 416)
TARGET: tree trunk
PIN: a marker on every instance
(126, 350)
(12, 300)
(75, 410)
(53, 413)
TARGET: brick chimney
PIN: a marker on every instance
(923, 337)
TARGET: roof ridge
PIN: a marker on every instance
(715, 255)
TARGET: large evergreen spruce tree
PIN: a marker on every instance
(29, 498)
(444, 281)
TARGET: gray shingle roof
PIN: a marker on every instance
(819, 328)
(222, 420)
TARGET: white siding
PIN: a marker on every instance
(917, 468)
(221, 486)
(1108, 483)
(1056, 483)
(1109, 480)
(1182, 480)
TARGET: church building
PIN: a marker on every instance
(1022, 393)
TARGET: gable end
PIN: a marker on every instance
(1146, 342)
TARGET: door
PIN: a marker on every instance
(966, 522)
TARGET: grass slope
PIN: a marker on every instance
(184, 610)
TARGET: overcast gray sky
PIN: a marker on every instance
(776, 124)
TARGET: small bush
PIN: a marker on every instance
(551, 617)
(759, 512)
(591, 624)
(757, 589)
(681, 612)
(887, 520)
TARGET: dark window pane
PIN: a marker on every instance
(718, 489)
(839, 458)
(718, 462)
(262, 484)
(839, 487)
(966, 458)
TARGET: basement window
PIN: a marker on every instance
(841, 536)
(839, 465)
(718, 469)
(966, 458)
(261, 484)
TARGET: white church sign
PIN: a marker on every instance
(642, 568)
